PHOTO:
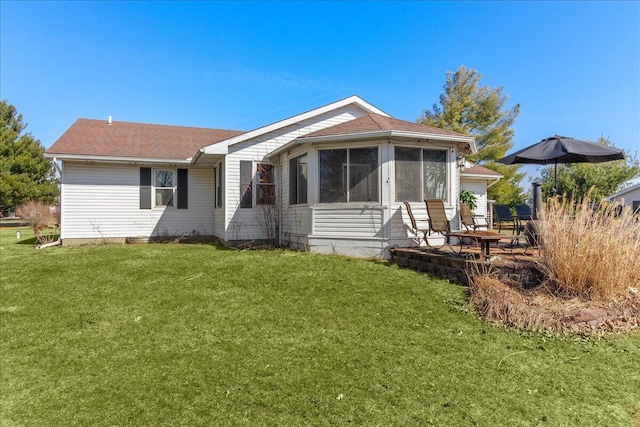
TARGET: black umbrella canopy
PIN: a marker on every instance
(562, 149)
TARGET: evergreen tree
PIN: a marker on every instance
(479, 111)
(25, 174)
(576, 179)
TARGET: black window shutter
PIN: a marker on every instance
(183, 188)
(145, 188)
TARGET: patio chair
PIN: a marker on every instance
(501, 215)
(467, 219)
(438, 221)
(414, 223)
(523, 215)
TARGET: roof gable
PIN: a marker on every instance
(90, 137)
(220, 148)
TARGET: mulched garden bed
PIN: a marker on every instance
(541, 308)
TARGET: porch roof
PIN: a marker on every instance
(375, 126)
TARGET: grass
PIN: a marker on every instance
(198, 335)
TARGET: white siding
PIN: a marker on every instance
(249, 223)
(102, 201)
(479, 188)
(348, 222)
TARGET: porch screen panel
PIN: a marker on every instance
(435, 174)
(408, 174)
(333, 176)
(363, 174)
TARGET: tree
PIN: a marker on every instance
(467, 108)
(576, 179)
(25, 174)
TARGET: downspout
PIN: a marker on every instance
(48, 245)
(493, 183)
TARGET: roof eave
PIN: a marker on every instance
(115, 159)
(470, 141)
(481, 176)
(622, 192)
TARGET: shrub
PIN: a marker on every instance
(589, 253)
(40, 218)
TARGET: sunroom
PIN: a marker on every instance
(342, 188)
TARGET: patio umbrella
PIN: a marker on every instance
(562, 149)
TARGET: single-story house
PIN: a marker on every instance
(627, 197)
(330, 180)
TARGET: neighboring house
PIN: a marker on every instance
(329, 180)
(627, 197)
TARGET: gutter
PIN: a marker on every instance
(116, 159)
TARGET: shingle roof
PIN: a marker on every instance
(375, 122)
(139, 140)
(476, 169)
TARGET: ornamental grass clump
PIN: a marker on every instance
(590, 253)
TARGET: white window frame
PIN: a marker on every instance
(257, 184)
(447, 163)
(154, 187)
(346, 177)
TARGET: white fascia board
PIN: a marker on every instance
(116, 159)
(480, 176)
(215, 148)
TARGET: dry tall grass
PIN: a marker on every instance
(587, 253)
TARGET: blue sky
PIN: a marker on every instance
(574, 67)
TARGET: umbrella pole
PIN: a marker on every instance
(555, 178)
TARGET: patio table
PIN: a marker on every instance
(484, 238)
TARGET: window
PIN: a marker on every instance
(266, 194)
(635, 205)
(164, 188)
(349, 175)
(298, 180)
(420, 174)
(265, 184)
(161, 188)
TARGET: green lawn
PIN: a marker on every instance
(171, 334)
